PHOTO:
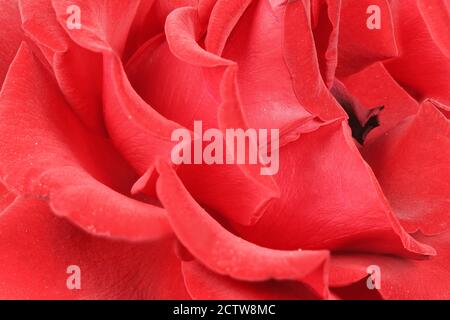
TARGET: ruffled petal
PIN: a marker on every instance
(104, 27)
(400, 278)
(360, 46)
(227, 254)
(6, 197)
(219, 27)
(445, 109)
(422, 67)
(436, 15)
(48, 153)
(267, 102)
(412, 164)
(215, 95)
(301, 58)
(202, 284)
(138, 131)
(375, 87)
(169, 85)
(37, 248)
(10, 33)
(325, 26)
(149, 21)
(330, 199)
(77, 70)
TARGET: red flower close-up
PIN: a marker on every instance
(225, 149)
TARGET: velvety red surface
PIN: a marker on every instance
(86, 118)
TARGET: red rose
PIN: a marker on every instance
(92, 205)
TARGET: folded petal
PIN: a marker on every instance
(300, 56)
(204, 284)
(104, 27)
(325, 26)
(436, 15)
(138, 131)
(374, 87)
(176, 76)
(77, 70)
(356, 291)
(37, 249)
(170, 85)
(359, 45)
(445, 109)
(6, 197)
(267, 102)
(10, 33)
(412, 164)
(48, 153)
(423, 67)
(224, 17)
(149, 21)
(362, 120)
(227, 254)
(330, 199)
(400, 278)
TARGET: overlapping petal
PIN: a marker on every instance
(227, 254)
(375, 87)
(423, 65)
(10, 33)
(325, 16)
(221, 109)
(400, 278)
(202, 283)
(359, 45)
(37, 248)
(412, 164)
(331, 200)
(46, 152)
(77, 70)
(301, 59)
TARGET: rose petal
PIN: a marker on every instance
(138, 131)
(374, 86)
(436, 15)
(157, 75)
(400, 278)
(325, 27)
(48, 153)
(356, 291)
(192, 89)
(149, 21)
(267, 102)
(104, 27)
(36, 248)
(6, 197)
(170, 85)
(412, 164)
(330, 199)
(10, 33)
(225, 253)
(362, 119)
(422, 67)
(77, 70)
(301, 59)
(360, 46)
(445, 110)
(203, 284)
(219, 29)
